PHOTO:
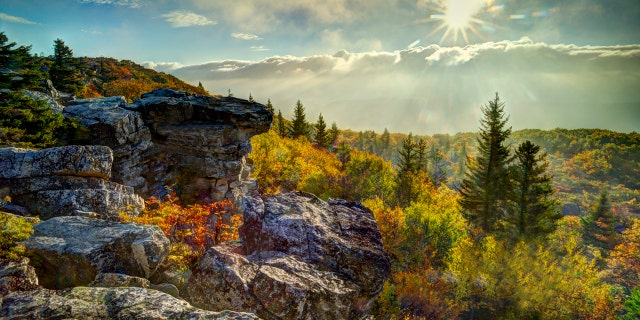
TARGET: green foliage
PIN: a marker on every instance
(486, 186)
(321, 135)
(535, 211)
(367, 177)
(299, 125)
(65, 71)
(600, 223)
(29, 123)
(632, 306)
(13, 230)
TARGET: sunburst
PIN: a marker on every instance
(459, 18)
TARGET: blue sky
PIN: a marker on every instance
(423, 65)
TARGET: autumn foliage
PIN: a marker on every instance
(191, 228)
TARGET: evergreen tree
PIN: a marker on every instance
(270, 106)
(251, 98)
(321, 135)
(408, 167)
(19, 60)
(229, 93)
(599, 224)
(438, 169)
(281, 126)
(299, 125)
(64, 74)
(485, 188)
(422, 161)
(535, 212)
(385, 144)
(334, 133)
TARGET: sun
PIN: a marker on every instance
(458, 18)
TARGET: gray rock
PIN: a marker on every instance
(110, 280)
(105, 303)
(300, 258)
(16, 275)
(168, 137)
(71, 251)
(64, 181)
(51, 102)
(167, 288)
(82, 161)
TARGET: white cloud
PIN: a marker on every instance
(245, 36)
(124, 3)
(259, 48)
(10, 18)
(91, 31)
(180, 19)
(162, 66)
(439, 89)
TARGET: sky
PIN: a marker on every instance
(421, 66)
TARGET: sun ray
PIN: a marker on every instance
(458, 18)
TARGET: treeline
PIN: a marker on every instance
(497, 249)
(80, 76)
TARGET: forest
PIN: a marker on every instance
(493, 224)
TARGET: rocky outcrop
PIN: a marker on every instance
(71, 251)
(104, 303)
(70, 180)
(169, 137)
(300, 258)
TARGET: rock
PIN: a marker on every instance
(300, 258)
(51, 102)
(71, 251)
(105, 303)
(118, 280)
(168, 137)
(167, 288)
(80, 161)
(13, 208)
(65, 181)
(16, 275)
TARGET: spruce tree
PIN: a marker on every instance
(485, 188)
(437, 168)
(334, 133)
(299, 125)
(599, 224)
(281, 126)
(321, 136)
(270, 106)
(63, 72)
(408, 167)
(535, 212)
(251, 98)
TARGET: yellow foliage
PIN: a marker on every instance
(13, 230)
(283, 164)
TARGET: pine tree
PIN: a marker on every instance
(63, 72)
(535, 212)
(270, 106)
(408, 167)
(251, 98)
(321, 134)
(281, 126)
(437, 169)
(385, 144)
(599, 224)
(422, 161)
(485, 188)
(334, 133)
(299, 125)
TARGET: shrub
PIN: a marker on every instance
(14, 229)
(191, 229)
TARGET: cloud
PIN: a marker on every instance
(245, 36)
(9, 18)
(162, 66)
(123, 3)
(436, 89)
(92, 31)
(180, 19)
(258, 48)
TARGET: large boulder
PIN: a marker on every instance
(105, 303)
(71, 251)
(169, 137)
(81, 161)
(16, 275)
(300, 258)
(70, 180)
